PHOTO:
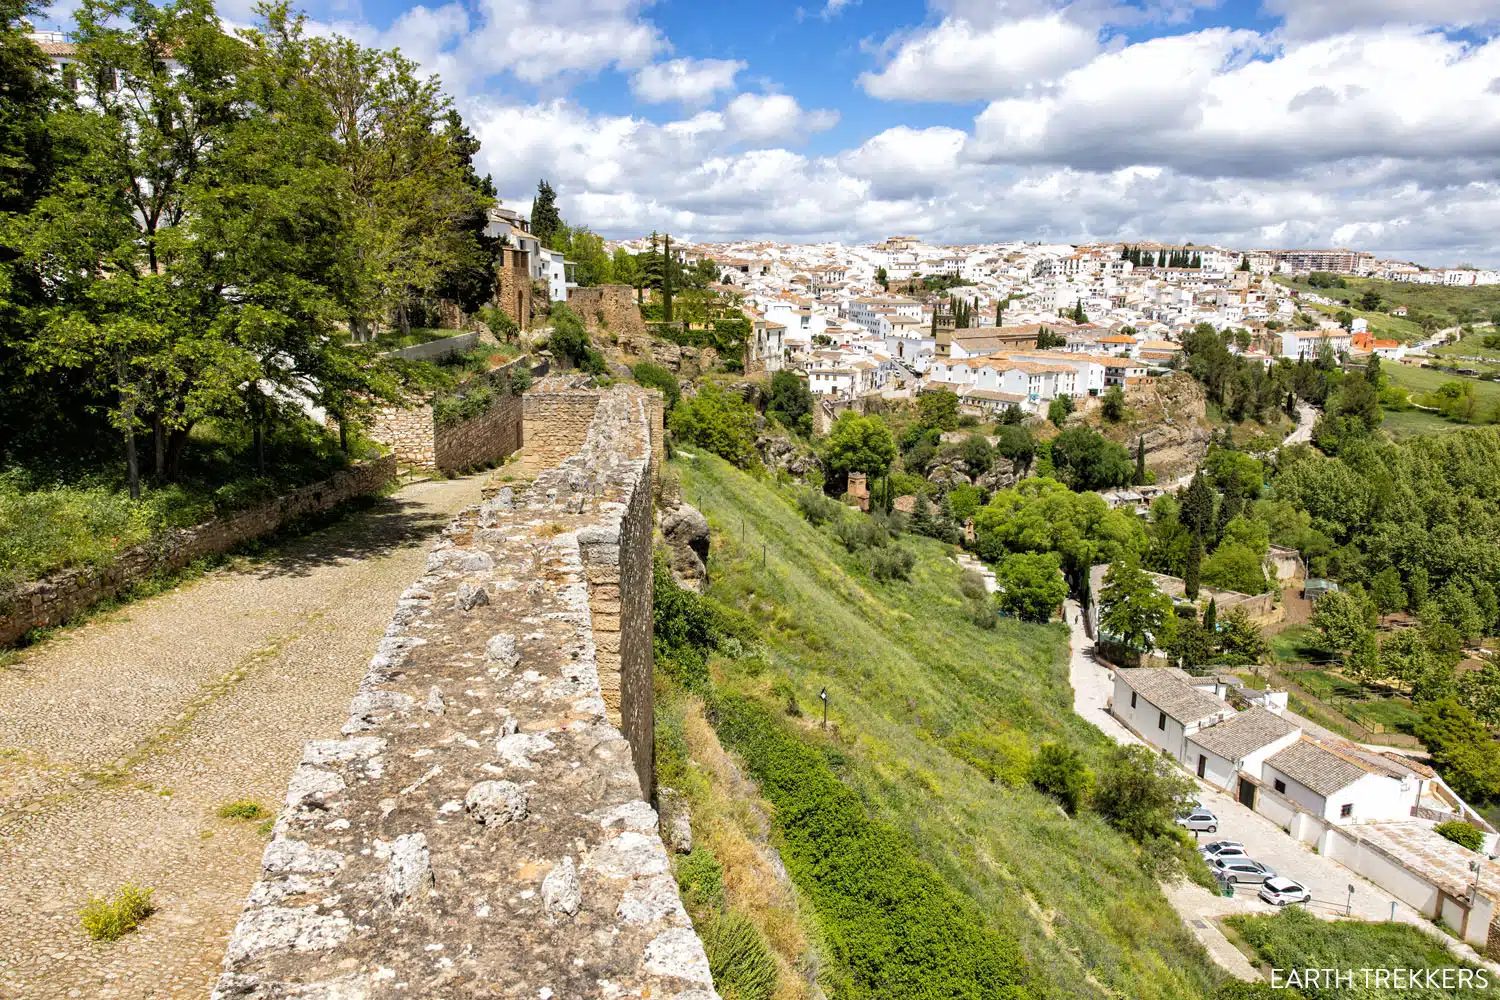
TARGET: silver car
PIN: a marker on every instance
(1281, 891)
(1242, 870)
(1222, 849)
(1200, 819)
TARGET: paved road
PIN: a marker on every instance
(1093, 685)
(1307, 415)
(118, 742)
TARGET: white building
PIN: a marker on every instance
(1307, 343)
(1163, 707)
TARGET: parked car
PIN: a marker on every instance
(1242, 869)
(1222, 849)
(1199, 819)
(1281, 891)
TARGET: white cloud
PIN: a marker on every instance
(833, 8)
(1311, 18)
(767, 117)
(685, 81)
(961, 61)
(1223, 103)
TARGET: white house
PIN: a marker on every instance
(1307, 343)
(1163, 707)
(1341, 786)
(556, 270)
(1240, 743)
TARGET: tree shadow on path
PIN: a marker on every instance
(366, 528)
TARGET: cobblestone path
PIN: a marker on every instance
(120, 740)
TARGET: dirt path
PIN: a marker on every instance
(119, 741)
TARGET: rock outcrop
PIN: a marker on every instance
(685, 530)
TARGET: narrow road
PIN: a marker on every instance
(120, 740)
(1307, 416)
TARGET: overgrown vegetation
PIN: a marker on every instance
(933, 724)
(111, 918)
(242, 809)
(1295, 939)
(1461, 833)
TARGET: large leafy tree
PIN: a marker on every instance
(1043, 515)
(1462, 747)
(859, 444)
(1132, 607)
(1086, 460)
(1031, 588)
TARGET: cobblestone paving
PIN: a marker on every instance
(120, 740)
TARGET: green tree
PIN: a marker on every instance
(546, 222)
(717, 420)
(1241, 640)
(1140, 792)
(1132, 607)
(1387, 593)
(1342, 619)
(1059, 408)
(977, 454)
(1140, 477)
(1190, 646)
(654, 376)
(1198, 506)
(1462, 747)
(938, 410)
(1058, 769)
(626, 268)
(1193, 568)
(1234, 566)
(1043, 515)
(791, 400)
(1015, 444)
(1406, 658)
(882, 279)
(1479, 690)
(1031, 586)
(1114, 404)
(859, 444)
(1086, 460)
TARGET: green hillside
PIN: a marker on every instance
(926, 710)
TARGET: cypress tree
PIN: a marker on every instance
(666, 278)
(1198, 506)
(1140, 461)
(1191, 568)
(1211, 617)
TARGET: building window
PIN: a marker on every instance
(1161, 720)
(1132, 699)
(1280, 786)
(1346, 810)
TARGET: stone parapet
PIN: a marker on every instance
(480, 828)
(417, 439)
(53, 599)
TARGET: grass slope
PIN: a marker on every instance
(908, 677)
(1439, 300)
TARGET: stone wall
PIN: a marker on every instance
(610, 308)
(53, 599)
(414, 436)
(480, 829)
(557, 412)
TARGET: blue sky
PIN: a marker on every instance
(1252, 123)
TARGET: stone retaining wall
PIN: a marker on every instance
(480, 829)
(55, 598)
(414, 435)
(557, 413)
(609, 308)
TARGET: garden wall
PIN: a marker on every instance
(55, 598)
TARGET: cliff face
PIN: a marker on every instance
(1170, 413)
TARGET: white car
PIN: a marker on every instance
(1200, 819)
(1281, 891)
(1222, 849)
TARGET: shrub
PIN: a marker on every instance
(1462, 834)
(739, 958)
(243, 809)
(111, 919)
(892, 563)
(473, 399)
(817, 508)
(982, 613)
(656, 377)
(1058, 769)
(520, 379)
(500, 324)
(972, 585)
(856, 533)
(701, 878)
(1003, 756)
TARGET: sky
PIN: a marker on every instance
(1373, 124)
